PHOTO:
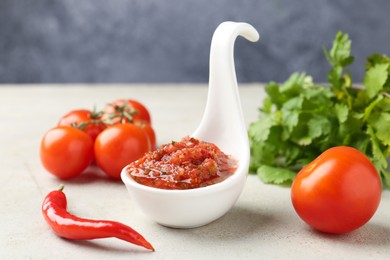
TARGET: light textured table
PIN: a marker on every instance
(262, 225)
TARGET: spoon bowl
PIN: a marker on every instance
(222, 124)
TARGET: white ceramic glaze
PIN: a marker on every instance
(222, 124)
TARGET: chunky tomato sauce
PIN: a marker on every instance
(187, 164)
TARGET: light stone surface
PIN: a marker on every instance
(262, 225)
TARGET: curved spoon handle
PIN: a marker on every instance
(223, 113)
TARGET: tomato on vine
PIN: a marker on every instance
(338, 192)
(126, 111)
(149, 132)
(66, 151)
(118, 146)
(112, 138)
(86, 120)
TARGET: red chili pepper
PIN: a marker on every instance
(69, 226)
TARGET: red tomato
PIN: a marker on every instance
(93, 126)
(119, 145)
(338, 192)
(149, 131)
(136, 110)
(66, 151)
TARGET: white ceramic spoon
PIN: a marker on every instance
(222, 124)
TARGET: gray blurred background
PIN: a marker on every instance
(152, 41)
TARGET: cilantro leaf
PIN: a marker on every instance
(375, 59)
(380, 124)
(260, 130)
(375, 79)
(275, 175)
(318, 126)
(341, 112)
(340, 53)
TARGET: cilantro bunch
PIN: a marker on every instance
(300, 119)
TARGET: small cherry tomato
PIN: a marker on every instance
(119, 145)
(66, 151)
(127, 111)
(149, 131)
(84, 119)
(337, 192)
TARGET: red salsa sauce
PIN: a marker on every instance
(187, 164)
